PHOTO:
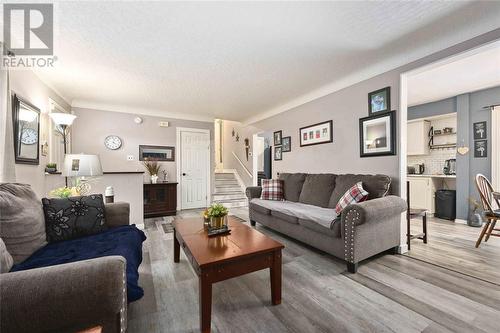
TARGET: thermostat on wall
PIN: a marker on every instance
(163, 124)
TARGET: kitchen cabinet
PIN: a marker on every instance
(422, 192)
(418, 137)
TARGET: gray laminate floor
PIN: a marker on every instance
(390, 293)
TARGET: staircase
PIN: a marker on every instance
(228, 191)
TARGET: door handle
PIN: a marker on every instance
(183, 173)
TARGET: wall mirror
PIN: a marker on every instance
(26, 119)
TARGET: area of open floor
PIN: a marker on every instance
(390, 293)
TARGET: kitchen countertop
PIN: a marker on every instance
(433, 176)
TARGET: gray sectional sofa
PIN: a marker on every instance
(308, 214)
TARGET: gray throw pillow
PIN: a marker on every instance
(6, 260)
(73, 217)
(22, 225)
(317, 189)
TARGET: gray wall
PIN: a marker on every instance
(469, 109)
(91, 127)
(27, 85)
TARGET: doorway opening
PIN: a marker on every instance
(446, 139)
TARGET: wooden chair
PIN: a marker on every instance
(414, 213)
(492, 215)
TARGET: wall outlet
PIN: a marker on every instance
(163, 124)
(130, 157)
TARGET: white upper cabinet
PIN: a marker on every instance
(418, 137)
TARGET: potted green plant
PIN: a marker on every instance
(475, 218)
(153, 168)
(50, 167)
(217, 214)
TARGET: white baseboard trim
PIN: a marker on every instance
(460, 221)
(403, 248)
(140, 226)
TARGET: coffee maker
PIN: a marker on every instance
(450, 167)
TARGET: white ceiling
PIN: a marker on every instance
(478, 71)
(242, 60)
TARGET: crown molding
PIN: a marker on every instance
(83, 104)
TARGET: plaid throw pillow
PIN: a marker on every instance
(272, 189)
(353, 195)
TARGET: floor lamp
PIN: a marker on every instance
(63, 121)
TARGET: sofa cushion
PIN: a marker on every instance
(292, 185)
(6, 260)
(333, 230)
(285, 217)
(73, 217)
(377, 186)
(22, 225)
(255, 205)
(324, 216)
(317, 189)
(272, 189)
(125, 241)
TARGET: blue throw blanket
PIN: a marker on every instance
(125, 241)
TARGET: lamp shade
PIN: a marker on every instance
(82, 165)
(60, 118)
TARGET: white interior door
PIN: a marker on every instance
(195, 168)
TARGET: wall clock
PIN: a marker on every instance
(29, 136)
(113, 142)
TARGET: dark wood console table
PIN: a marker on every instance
(160, 199)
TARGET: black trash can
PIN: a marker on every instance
(446, 204)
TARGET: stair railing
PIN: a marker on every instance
(243, 166)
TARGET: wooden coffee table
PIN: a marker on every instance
(219, 258)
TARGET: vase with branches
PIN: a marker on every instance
(153, 168)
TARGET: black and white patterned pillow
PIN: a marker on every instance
(73, 217)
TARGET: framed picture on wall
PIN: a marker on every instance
(278, 153)
(480, 131)
(379, 101)
(316, 134)
(286, 144)
(277, 137)
(377, 135)
(481, 148)
(157, 153)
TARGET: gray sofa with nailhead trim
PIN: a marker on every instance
(307, 214)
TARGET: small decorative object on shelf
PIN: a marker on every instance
(206, 218)
(153, 168)
(447, 130)
(218, 220)
(109, 194)
(51, 167)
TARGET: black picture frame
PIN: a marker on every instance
(286, 144)
(145, 153)
(480, 130)
(480, 148)
(304, 130)
(387, 99)
(18, 127)
(278, 153)
(392, 131)
(277, 141)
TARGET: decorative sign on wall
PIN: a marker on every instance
(480, 130)
(481, 148)
(316, 134)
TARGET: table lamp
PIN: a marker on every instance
(81, 166)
